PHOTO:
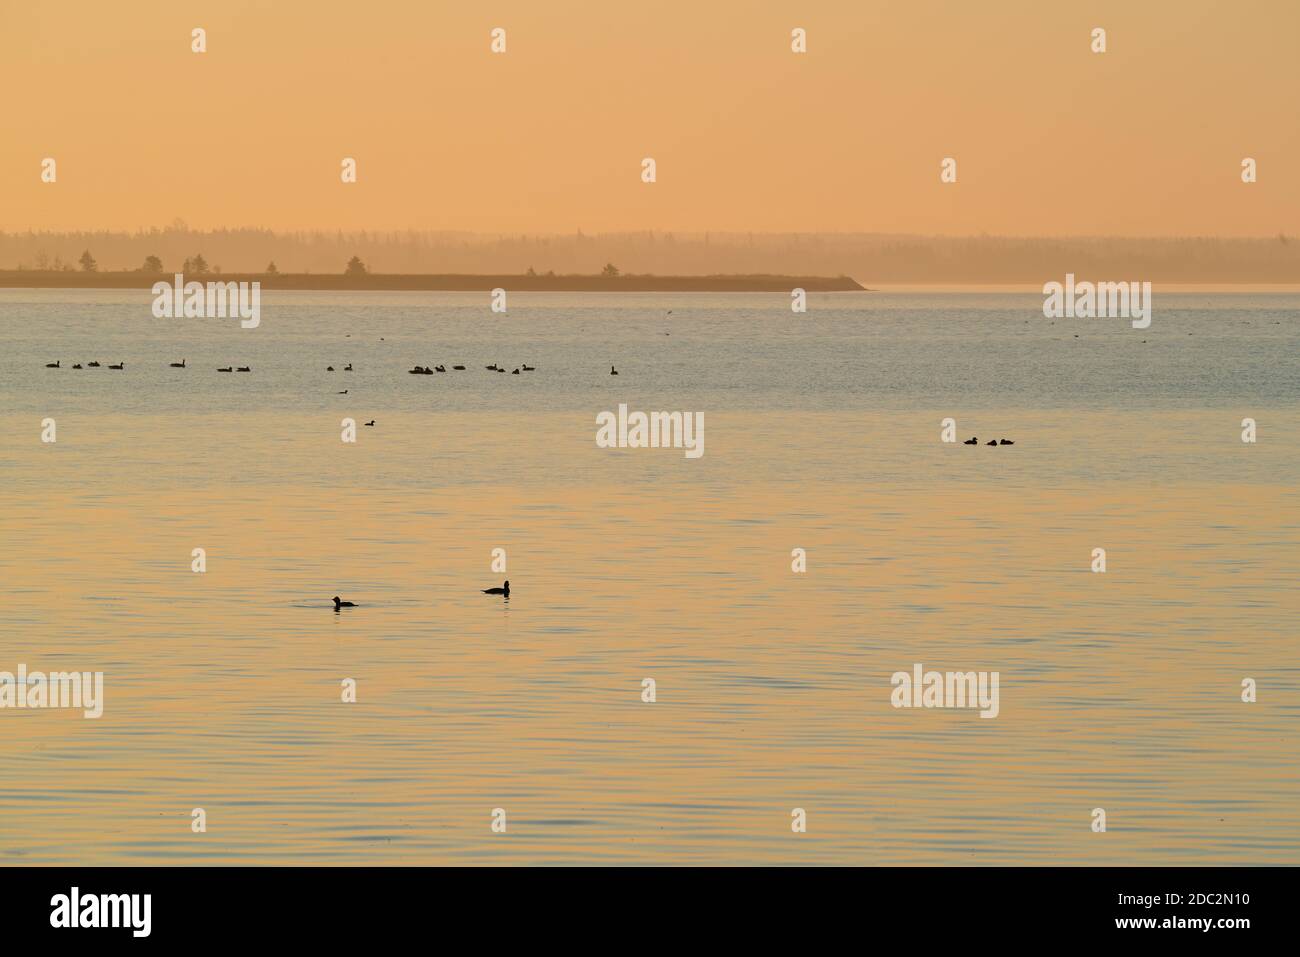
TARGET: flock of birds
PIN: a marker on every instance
(418, 370)
(122, 365)
(974, 440)
(89, 365)
(425, 370)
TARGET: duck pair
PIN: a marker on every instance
(340, 603)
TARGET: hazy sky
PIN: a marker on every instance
(1049, 137)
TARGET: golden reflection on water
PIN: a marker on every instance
(222, 690)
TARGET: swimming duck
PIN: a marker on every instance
(439, 368)
(329, 368)
(226, 369)
(243, 369)
(991, 442)
(77, 366)
(92, 365)
(1005, 442)
(613, 371)
(498, 591)
(973, 440)
(491, 368)
(52, 365)
(120, 365)
(342, 604)
(516, 372)
(348, 367)
(371, 422)
(344, 392)
(459, 368)
(528, 368)
(178, 365)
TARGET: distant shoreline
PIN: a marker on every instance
(324, 282)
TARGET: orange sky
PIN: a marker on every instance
(1050, 138)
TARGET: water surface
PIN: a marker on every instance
(222, 690)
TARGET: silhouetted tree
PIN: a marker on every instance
(609, 270)
(271, 270)
(197, 266)
(152, 265)
(355, 267)
(87, 261)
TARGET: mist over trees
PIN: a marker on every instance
(866, 257)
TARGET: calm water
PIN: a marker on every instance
(1119, 691)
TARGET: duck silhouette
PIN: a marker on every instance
(498, 591)
(338, 603)
(52, 365)
(243, 369)
(491, 368)
(439, 368)
(991, 442)
(613, 371)
(92, 365)
(1005, 442)
(528, 368)
(348, 367)
(77, 366)
(178, 365)
(459, 368)
(344, 392)
(516, 372)
(371, 422)
(329, 368)
(226, 369)
(973, 440)
(120, 365)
